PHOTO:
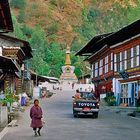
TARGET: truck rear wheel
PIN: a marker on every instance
(75, 114)
(95, 115)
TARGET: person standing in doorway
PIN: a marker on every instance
(36, 116)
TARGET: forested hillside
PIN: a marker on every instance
(51, 25)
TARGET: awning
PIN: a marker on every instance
(52, 79)
(105, 87)
(7, 64)
(38, 78)
(137, 78)
(6, 24)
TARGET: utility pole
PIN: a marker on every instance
(82, 75)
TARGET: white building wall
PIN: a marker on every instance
(0, 51)
(116, 89)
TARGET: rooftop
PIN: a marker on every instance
(26, 48)
(98, 42)
(6, 24)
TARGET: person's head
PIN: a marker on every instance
(77, 91)
(36, 102)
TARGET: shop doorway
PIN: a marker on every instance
(128, 93)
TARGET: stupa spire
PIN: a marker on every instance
(68, 60)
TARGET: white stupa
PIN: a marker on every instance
(68, 75)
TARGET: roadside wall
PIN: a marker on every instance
(3, 116)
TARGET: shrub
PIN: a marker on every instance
(111, 100)
(53, 2)
(27, 31)
(21, 16)
(9, 98)
(18, 4)
(34, 6)
(53, 28)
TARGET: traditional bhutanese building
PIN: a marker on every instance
(68, 75)
(14, 54)
(115, 63)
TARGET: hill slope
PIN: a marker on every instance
(67, 22)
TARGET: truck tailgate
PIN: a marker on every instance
(86, 103)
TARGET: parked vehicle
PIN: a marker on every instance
(86, 105)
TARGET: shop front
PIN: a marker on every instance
(129, 91)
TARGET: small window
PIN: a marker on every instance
(101, 62)
(138, 49)
(115, 58)
(125, 54)
(120, 56)
(132, 62)
(125, 64)
(115, 67)
(138, 61)
(111, 65)
(111, 56)
(132, 52)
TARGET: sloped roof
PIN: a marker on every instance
(6, 24)
(123, 34)
(35, 76)
(88, 48)
(26, 46)
(98, 42)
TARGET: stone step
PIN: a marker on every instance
(13, 123)
(103, 102)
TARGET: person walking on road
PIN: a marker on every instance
(72, 85)
(36, 116)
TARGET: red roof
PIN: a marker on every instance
(6, 24)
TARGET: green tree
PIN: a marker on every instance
(18, 29)
(133, 12)
(55, 58)
(39, 45)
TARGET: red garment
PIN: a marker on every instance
(36, 115)
(77, 95)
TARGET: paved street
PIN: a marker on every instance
(60, 124)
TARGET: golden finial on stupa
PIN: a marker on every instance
(67, 60)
